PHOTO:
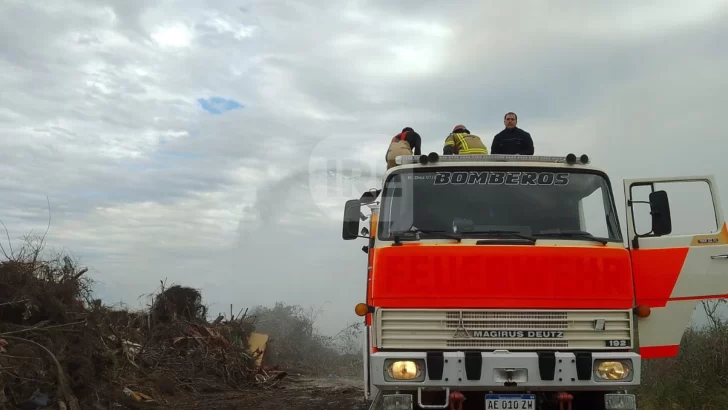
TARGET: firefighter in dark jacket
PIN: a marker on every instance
(462, 142)
(512, 140)
(406, 142)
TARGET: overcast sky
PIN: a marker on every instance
(179, 139)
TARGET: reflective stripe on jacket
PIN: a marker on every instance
(465, 144)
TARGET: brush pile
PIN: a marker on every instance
(60, 348)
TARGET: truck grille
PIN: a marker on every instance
(503, 329)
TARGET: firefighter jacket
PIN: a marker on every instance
(403, 144)
(463, 143)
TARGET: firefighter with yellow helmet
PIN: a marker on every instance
(462, 142)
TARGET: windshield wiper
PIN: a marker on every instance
(573, 235)
(442, 234)
(514, 234)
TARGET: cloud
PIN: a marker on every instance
(218, 105)
(100, 112)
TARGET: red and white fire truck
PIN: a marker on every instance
(506, 282)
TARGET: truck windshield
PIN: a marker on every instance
(539, 202)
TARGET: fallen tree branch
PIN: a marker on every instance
(15, 302)
(63, 389)
(76, 276)
(42, 328)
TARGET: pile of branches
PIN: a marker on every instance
(59, 345)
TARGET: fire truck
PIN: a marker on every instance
(506, 282)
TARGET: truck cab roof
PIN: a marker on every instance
(434, 160)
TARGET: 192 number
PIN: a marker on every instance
(617, 343)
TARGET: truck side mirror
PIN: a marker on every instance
(352, 215)
(660, 211)
(370, 196)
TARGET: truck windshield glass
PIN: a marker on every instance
(538, 201)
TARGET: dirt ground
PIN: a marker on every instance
(293, 393)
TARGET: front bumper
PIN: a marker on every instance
(406, 401)
(506, 371)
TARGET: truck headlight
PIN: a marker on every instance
(407, 369)
(613, 370)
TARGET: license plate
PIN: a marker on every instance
(510, 402)
(620, 402)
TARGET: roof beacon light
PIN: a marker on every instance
(584, 159)
(424, 159)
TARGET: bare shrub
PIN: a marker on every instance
(179, 302)
(698, 377)
(297, 344)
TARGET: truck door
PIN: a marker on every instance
(681, 263)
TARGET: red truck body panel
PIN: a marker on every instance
(501, 276)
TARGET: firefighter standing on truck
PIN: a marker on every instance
(512, 140)
(403, 144)
(462, 142)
